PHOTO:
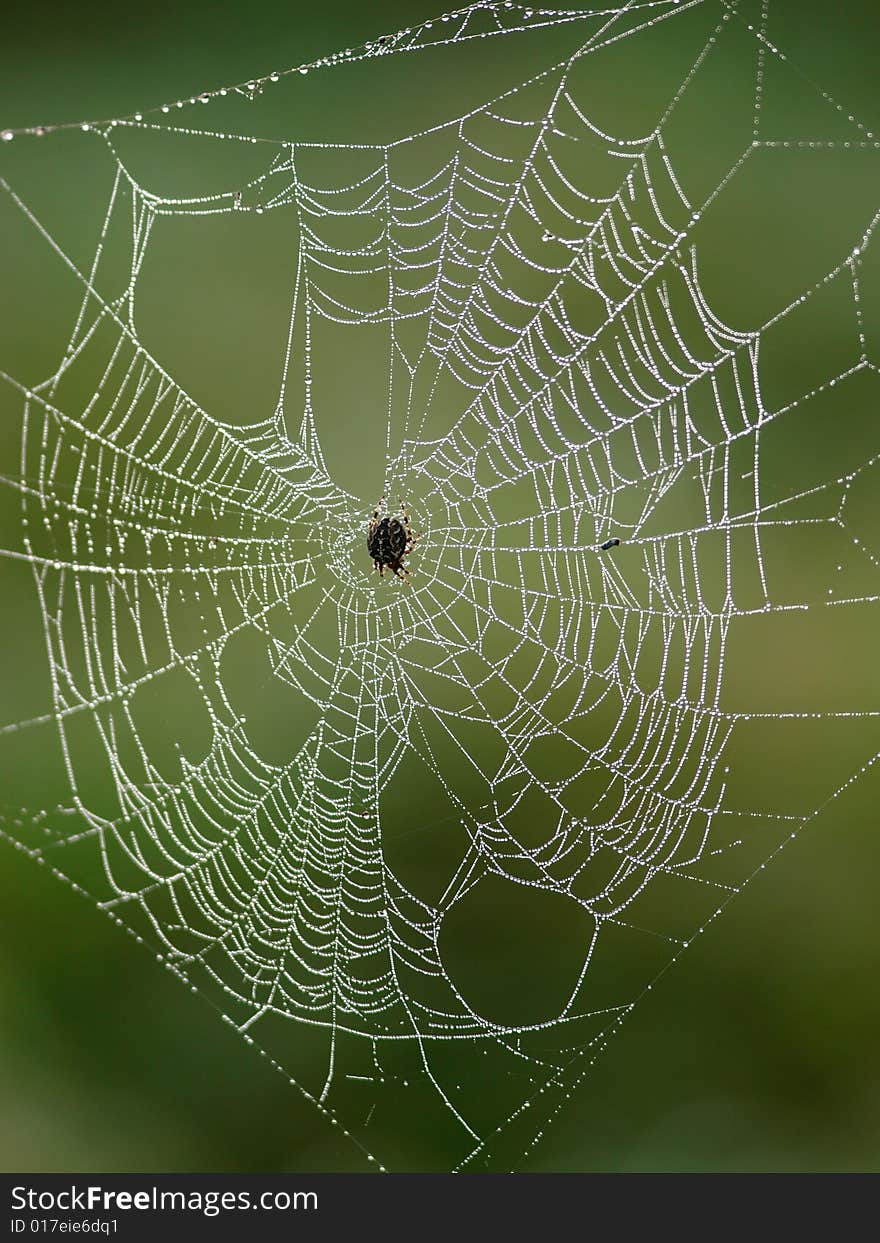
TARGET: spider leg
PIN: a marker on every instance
(410, 536)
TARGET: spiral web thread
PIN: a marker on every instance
(539, 278)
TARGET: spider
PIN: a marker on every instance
(390, 539)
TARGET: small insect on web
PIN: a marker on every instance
(506, 798)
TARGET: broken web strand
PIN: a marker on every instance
(357, 714)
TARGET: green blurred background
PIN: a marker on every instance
(759, 1049)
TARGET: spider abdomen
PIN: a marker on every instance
(389, 540)
(386, 544)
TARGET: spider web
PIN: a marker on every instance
(427, 843)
